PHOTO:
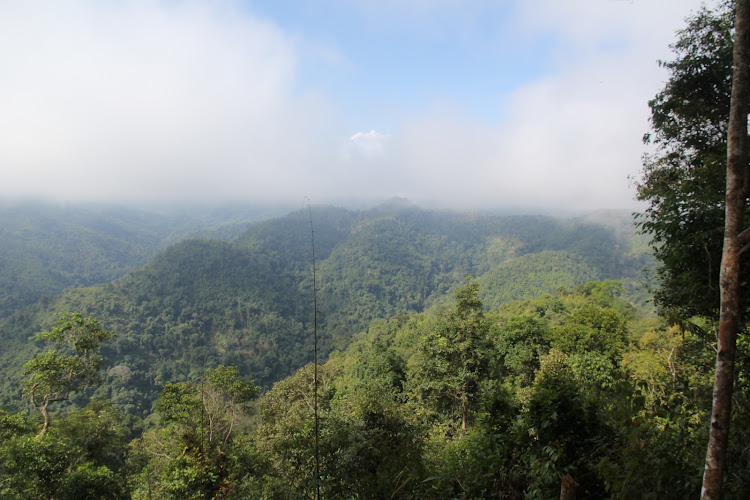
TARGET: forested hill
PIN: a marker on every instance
(247, 302)
(45, 247)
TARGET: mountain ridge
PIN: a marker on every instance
(247, 302)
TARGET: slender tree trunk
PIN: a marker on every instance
(730, 260)
(568, 488)
(45, 416)
(464, 412)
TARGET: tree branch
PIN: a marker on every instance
(744, 237)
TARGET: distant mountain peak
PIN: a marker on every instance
(395, 204)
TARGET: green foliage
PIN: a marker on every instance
(285, 434)
(531, 275)
(80, 458)
(568, 437)
(450, 361)
(684, 180)
(194, 450)
(34, 467)
(45, 248)
(246, 303)
(442, 399)
(71, 364)
(12, 425)
(379, 450)
(368, 446)
(179, 404)
(484, 462)
(567, 384)
(591, 329)
(519, 344)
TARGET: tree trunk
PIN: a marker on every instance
(45, 416)
(730, 260)
(568, 488)
(464, 411)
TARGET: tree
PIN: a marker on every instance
(285, 435)
(192, 452)
(735, 240)
(82, 457)
(519, 344)
(697, 202)
(71, 364)
(453, 358)
(223, 397)
(683, 180)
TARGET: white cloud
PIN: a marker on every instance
(203, 101)
(150, 100)
(570, 139)
(370, 143)
(575, 138)
(589, 23)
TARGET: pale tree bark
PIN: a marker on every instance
(730, 260)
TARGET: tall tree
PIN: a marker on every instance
(735, 240)
(453, 358)
(194, 450)
(70, 364)
(683, 178)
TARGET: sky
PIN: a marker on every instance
(468, 104)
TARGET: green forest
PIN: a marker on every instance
(456, 402)
(156, 354)
(248, 302)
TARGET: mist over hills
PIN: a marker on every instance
(47, 247)
(240, 294)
